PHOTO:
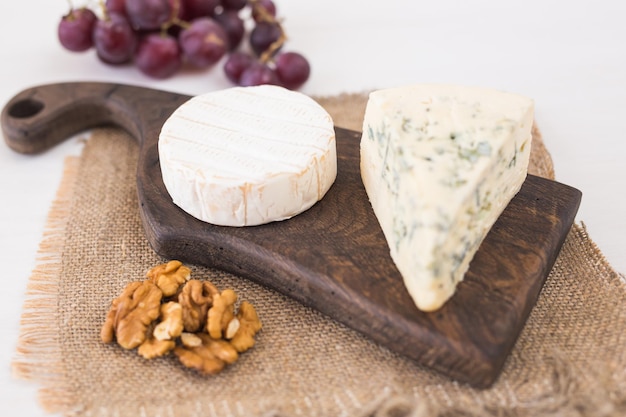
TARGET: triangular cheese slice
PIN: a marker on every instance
(439, 164)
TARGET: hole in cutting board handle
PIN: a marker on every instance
(26, 108)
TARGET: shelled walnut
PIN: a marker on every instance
(169, 277)
(249, 326)
(221, 313)
(210, 357)
(153, 348)
(131, 314)
(171, 324)
(169, 312)
(196, 298)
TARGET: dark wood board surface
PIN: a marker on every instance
(333, 257)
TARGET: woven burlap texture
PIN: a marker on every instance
(569, 360)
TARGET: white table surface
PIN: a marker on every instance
(570, 57)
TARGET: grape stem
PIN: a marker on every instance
(174, 19)
(266, 16)
(103, 7)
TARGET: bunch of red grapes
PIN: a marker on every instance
(161, 36)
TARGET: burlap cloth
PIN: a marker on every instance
(569, 360)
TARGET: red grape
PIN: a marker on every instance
(257, 74)
(158, 55)
(199, 8)
(268, 5)
(148, 14)
(114, 39)
(234, 4)
(292, 69)
(204, 42)
(75, 29)
(181, 7)
(236, 64)
(233, 25)
(116, 6)
(263, 35)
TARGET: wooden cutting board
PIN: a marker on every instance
(332, 257)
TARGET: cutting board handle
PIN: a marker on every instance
(38, 118)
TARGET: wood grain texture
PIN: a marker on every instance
(333, 257)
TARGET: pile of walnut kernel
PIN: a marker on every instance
(169, 312)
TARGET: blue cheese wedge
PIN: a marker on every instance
(246, 156)
(439, 164)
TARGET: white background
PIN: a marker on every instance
(569, 56)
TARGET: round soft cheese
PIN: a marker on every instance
(246, 156)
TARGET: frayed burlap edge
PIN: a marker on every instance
(38, 354)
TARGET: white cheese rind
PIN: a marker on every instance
(439, 164)
(246, 156)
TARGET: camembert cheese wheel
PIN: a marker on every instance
(439, 164)
(246, 156)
